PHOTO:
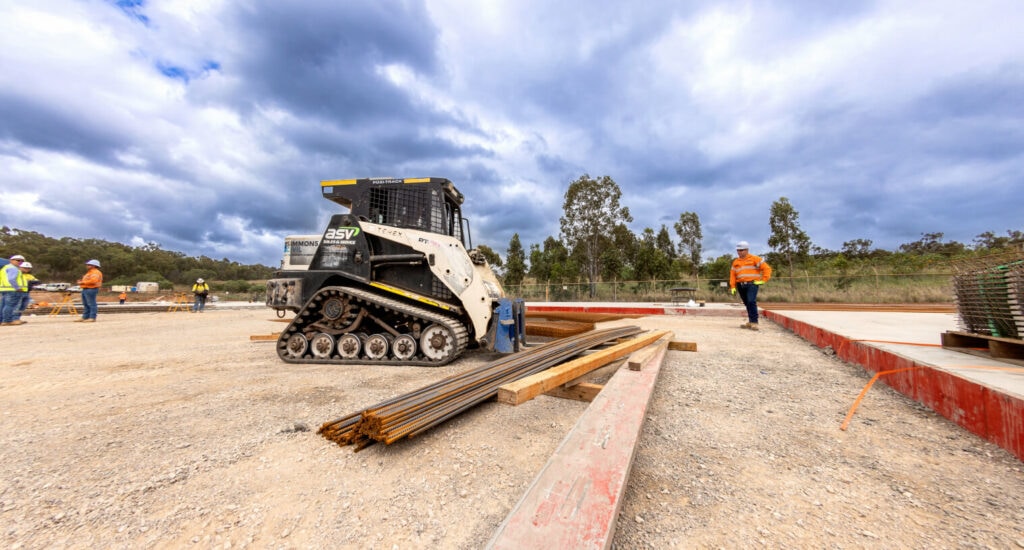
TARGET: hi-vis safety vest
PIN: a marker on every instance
(20, 283)
(749, 269)
(93, 278)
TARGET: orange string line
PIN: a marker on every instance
(844, 342)
(863, 392)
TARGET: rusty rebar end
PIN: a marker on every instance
(366, 442)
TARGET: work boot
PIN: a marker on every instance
(79, 320)
(745, 325)
(18, 322)
(89, 321)
(8, 324)
(752, 326)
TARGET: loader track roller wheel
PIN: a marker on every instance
(376, 347)
(437, 342)
(321, 345)
(404, 347)
(296, 345)
(349, 346)
(334, 324)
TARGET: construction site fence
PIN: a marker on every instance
(872, 288)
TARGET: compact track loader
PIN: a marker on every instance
(392, 282)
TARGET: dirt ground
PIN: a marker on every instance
(168, 430)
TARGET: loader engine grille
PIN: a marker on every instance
(440, 290)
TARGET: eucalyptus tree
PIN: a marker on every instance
(664, 243)
(690, 239)
(787, 239)
(515, 262)
(591, 209)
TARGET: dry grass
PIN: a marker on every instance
(870, 289)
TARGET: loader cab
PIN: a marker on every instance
(424, 204)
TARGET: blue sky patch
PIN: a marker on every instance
(133, 8)
(171, 71)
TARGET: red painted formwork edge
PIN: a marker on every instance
(984, 411)
(575, 499)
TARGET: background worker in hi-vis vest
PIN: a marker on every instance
(747, 275)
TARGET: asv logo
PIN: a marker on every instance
(345, 233)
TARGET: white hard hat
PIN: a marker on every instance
(743, 245)
(93, 262)
(26, 265)
(199, 280)
(17, 257)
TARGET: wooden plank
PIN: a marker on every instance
(525, 389)
(1003, 350)
(637, 360)
(264, 337)
(557, 329)
(583, 391)
(557, 313)
(682, 346)
(1008, 350)
(576, 498)
(600, 373)
(969, 337)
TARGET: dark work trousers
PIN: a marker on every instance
(748, 293)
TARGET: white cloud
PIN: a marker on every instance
(689, 107)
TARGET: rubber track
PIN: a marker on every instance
(375, 303)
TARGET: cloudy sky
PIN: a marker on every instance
(207, 125)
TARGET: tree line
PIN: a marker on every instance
(595, 244)
(63, 260)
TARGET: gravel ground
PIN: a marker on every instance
(742, 449)
(167, 430)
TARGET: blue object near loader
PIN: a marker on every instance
(510, 330)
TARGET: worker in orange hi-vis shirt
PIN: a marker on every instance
(90, 283)
(747, 275)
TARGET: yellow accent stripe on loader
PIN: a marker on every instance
(409, 295)
(417, 180)
(332, 183)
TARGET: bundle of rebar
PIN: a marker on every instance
(990, 294)
(413, 413)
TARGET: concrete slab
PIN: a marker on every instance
(916, 336)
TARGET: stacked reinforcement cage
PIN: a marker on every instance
(990, 294)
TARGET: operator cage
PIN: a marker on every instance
(425, 204)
